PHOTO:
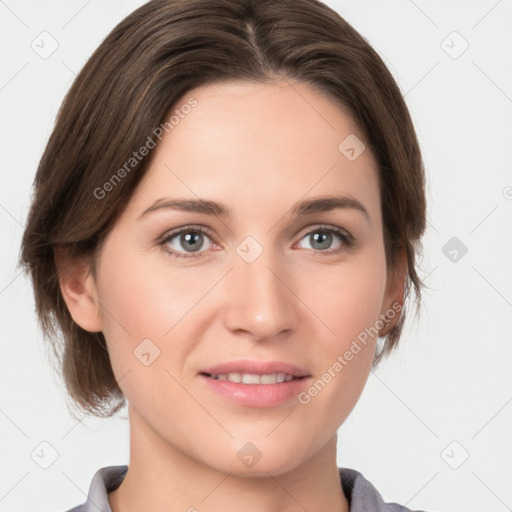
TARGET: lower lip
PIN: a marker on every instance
(257, 395)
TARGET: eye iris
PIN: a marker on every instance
(321, 237)
(193, 238)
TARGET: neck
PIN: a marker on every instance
(161, 477)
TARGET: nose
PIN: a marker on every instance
(260, 298)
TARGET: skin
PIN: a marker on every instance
(258, 149)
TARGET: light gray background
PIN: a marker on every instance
(446, 394)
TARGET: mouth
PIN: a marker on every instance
(254, 378)
(255, 383)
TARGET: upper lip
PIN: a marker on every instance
(256, 367)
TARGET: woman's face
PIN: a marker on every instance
(261, 281)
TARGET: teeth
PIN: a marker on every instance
(252, 378)
(268, 379)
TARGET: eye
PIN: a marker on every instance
(322, 237)
(186, 242)
(189, 241)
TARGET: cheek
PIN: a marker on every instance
(349, 307)
(134, 315)
(347, 298)
(143, 298)
(347, 350)
(145, 306)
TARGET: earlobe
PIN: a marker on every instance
(395, 290)
(78, 290)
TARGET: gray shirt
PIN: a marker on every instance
(360, 493)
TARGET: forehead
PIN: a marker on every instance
(256, 143)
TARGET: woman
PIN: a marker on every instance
(224, 231)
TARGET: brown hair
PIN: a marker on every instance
(127, 88)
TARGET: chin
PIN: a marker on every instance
(252, 462)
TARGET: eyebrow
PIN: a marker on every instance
(306, 207)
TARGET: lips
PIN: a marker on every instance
(255, 383)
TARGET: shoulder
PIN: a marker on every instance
(363, 496)
(104, 480)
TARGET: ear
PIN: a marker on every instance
(395, 290)
(78, 289)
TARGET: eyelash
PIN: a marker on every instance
(348, 241)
